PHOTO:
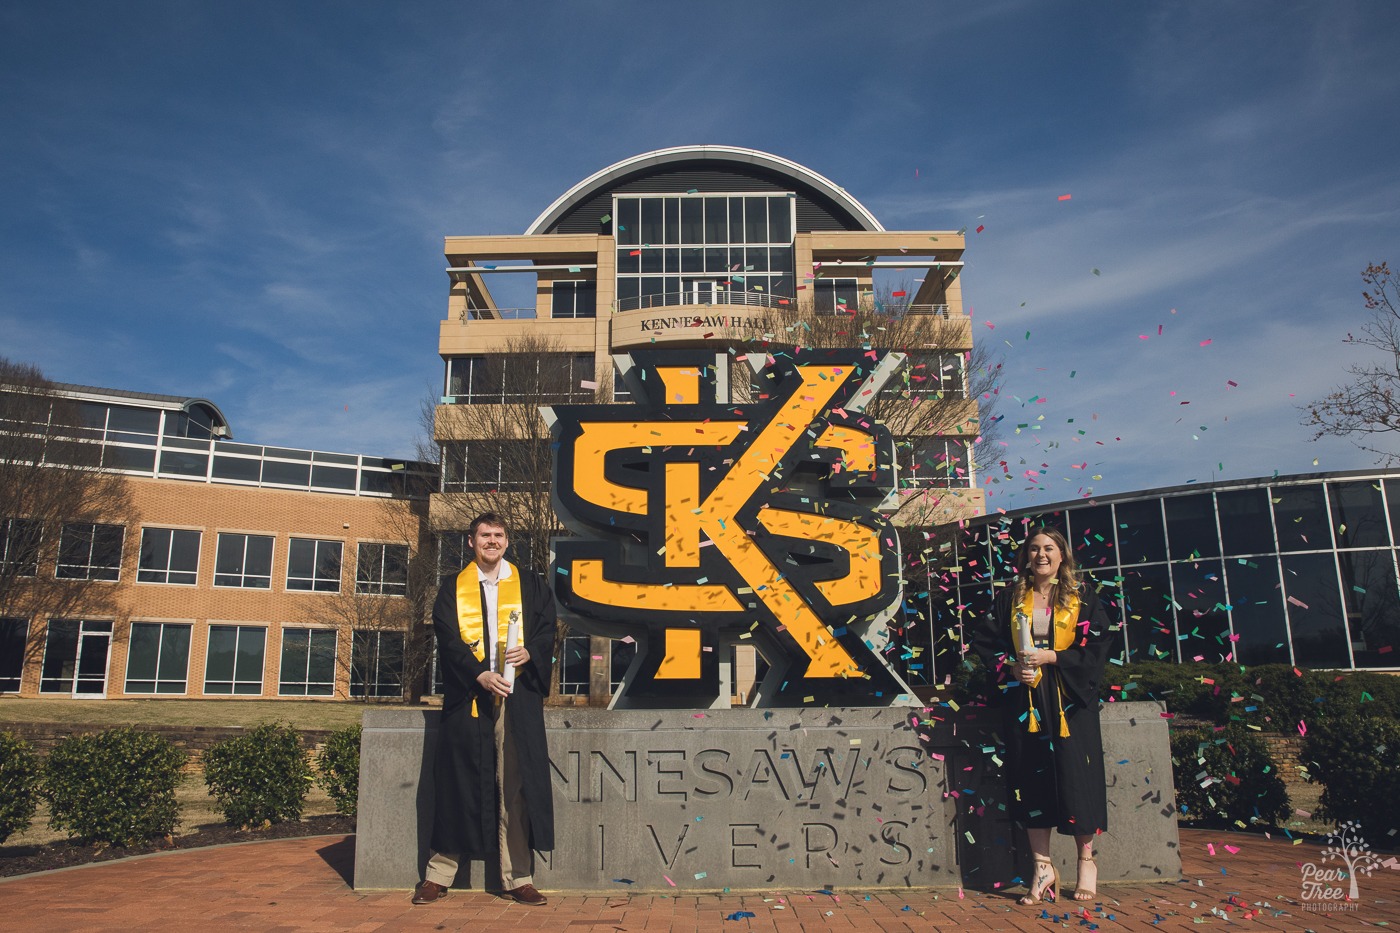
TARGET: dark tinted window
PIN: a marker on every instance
(1140, 536)
(1300, 515)
(1358, 514)
(1191, 526)
(1245, 524)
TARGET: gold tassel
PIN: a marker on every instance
(473, 707)
(1034, 724)
(1064, 720)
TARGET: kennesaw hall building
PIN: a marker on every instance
(695, 247)
(230, 574)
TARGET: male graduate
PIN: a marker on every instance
(493, 794)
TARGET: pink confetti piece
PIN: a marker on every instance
(980, 228)
(1233, 850)
(1205, 343)
(1210, 846)
(1232, 383)
(1064, 197)
(669, 881)
(1302, 728)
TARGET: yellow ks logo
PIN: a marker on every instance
(700, 524)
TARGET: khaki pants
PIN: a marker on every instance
(512, 821)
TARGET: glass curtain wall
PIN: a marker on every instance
(704, 249)
(1287, 573)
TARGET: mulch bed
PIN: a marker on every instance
(21, 859)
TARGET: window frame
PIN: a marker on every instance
(375, 583)
(309, 651)
(315, 580)
(66, 546)
(161, 647)
(220, 577)
(239, 630)
(141, 569)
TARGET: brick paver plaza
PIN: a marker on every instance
(1234, 880)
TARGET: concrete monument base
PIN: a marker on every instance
(667, 800)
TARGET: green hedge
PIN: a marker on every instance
(19, 785)
(338, 769)
(1273, 697)
(116, 786)
(1357, 760)
(1242, 783)
(260, 777)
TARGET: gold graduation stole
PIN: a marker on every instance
(470, 618)
(1062, 628)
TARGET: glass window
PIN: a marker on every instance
(1300, 515)
(1314, 608)
(1256, 609)
(1202, 618)
(381, 569)
(651, 221)
(286, 474)
(1246, 526)
(673, 219)
(1191, 526)
(234, 660)
(1373, 606)
(130, 459)
(168, 555)
(756, 220)
(1148, 616)
(313, 565)
(453, 552)
(308, 662)
(830, 296)
(1091, 535)
(19, 547)
(573, 666)
(574, 299)
(244, 561)
(692, 212)
(1140, 536)
(628, 212)
(90, 552)
(329, 477)
(1358, 514)
(60, 656)
(133, 420)
(237, 469)
(158, 657)
(780, 220)
(622, 654)
(14, 633)
(181, 463)
(716, 220)
(376, 664)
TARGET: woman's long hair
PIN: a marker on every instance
(1067, 582)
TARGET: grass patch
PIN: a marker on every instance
(304, 714)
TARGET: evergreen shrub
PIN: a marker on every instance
(116, 786)
(260, 777)
(1356, 759)
(19, 785)
(338, 769)
(1227, 777)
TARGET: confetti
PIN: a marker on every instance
(1063, 197)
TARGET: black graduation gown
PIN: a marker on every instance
(465, 821)
(1054, 782)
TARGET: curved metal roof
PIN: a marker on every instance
(662, 157)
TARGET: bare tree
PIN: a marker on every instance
(944, 392)
(51, 476)
(496, 452)
(1366, 408)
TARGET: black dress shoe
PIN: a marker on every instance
(429, 891)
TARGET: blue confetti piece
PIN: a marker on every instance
(740, 915)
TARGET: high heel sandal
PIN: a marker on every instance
(1080, 893)
(1047, 890)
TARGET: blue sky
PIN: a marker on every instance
(247, 201)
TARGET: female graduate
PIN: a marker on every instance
(1044, 647)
